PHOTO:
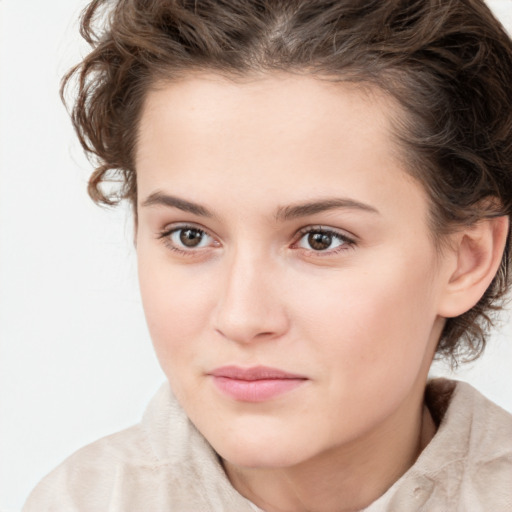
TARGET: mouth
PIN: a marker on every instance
(256, 384)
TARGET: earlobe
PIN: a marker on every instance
(478, 252)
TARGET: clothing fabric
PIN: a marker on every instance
(164, 464)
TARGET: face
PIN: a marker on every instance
(288, 276)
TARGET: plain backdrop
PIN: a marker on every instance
(76, 361)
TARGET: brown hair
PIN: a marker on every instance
(448, 63)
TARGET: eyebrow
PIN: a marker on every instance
(161, 199)
(283, 213)
(312, 207)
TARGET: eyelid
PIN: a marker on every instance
(169, 229)
(327, 229)
(350, 241)
(175, 226)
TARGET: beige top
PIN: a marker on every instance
(164, 464)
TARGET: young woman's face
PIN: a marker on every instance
(288, 276)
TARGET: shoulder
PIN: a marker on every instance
(475, 428)
(85, 480)
(488, 458)
(161, 464)
(468, 463)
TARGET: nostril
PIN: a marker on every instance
(247, 332)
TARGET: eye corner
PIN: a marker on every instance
(174, 237)
(318, 235)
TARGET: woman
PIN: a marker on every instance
(322, 193)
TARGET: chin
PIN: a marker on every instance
(258, 460)
(263, 453)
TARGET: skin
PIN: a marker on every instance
(359, 320)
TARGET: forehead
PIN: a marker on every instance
(265, 134)
(273, 104)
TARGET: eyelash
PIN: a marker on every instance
(166, 234)
(347, 242)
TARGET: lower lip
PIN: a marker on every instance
(255, 390)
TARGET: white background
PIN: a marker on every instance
(76, 362)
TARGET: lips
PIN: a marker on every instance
(256, 384)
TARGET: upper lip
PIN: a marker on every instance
(253, 373)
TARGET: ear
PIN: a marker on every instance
(478, 250)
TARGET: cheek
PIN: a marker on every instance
(369, 339)
(176, 304)
(376, 319)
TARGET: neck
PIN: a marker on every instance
(347, 478)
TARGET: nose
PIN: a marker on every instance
(250, 307)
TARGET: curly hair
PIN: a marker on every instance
(447, 63)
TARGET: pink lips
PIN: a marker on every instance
(256, 384)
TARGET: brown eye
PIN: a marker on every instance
(324, 240)
(188, 238)
(191, 237)
(319, 241)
